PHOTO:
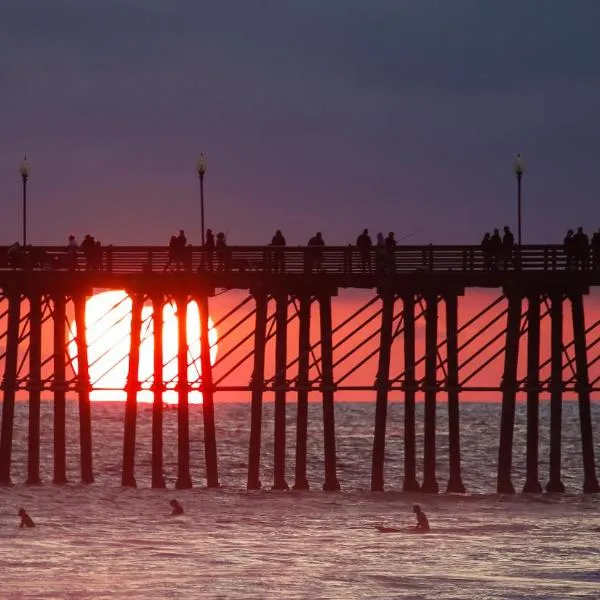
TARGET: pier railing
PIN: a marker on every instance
(296, 259)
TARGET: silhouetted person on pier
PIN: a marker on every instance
(222, 252)
(278, 255)
(173, 258)
(209, 248)
(390, 252)
(28, 254)
(581, 245)
(14, 256)
(508, 246)
(595, 245)
(364, 245)
(88, 246)
(177, 508)
(422, 522)
(315, 253)
(486, 251)
(72, 249)
(98, 256)
(177, 251)
(92, 250)
(569, 249)
(495, 247)
(37, 258)
(181, 245)
(26, 520)
(380, 254)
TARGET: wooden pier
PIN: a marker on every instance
(414, 286)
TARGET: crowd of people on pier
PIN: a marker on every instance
(581, 253)
(20, 256)
(379, 256)
(27, 256)
(92, 252)
(498, 249)
(180, 252)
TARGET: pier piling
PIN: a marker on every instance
(590, 482)
(509, 394)
(555, 484)
(9, 386)
(208, 405)
(331, 482)
(410, 388)
(281, 308)
(34, 387)
(532, 483)
(455, 483)
(430, 484)
(382, 384)
(133, 385)
(301, 481)
(158, 387)
(83, 377)
(184, 480)
(59, 391)
(257, 385)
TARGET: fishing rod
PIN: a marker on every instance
(404, 237)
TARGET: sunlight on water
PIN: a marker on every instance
(102, 541)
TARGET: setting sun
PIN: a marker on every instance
(108, 322)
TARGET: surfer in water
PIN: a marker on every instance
(26, 520)
(422, 522)
(177, 508)
(422, 525)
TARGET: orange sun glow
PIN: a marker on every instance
(108, 328)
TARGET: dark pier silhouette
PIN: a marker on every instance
(418, 287)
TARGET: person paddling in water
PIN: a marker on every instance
(177, 508)
(422, 525)
(422, 522)
(26, 520)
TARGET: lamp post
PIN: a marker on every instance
(201, 168)
(24, 170)
(519, 168)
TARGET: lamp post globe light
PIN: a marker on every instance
(24, 170)
(201, 169)
(519, 169)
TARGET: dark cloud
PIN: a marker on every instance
(403, 46)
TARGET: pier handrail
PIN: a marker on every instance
(296, 259)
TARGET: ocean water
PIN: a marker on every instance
(104, 542)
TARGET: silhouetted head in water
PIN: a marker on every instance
(177, 508)
(26, 520)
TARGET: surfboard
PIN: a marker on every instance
(383, 529)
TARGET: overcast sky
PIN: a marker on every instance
(329, 115)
